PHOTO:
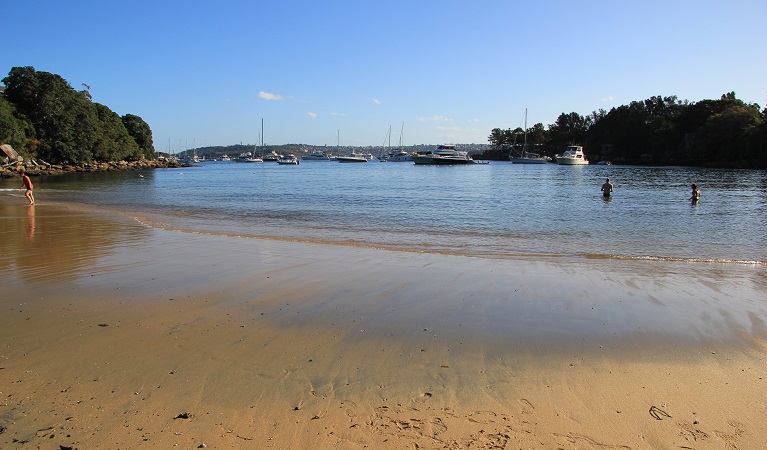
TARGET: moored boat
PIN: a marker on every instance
(317, 156)
(527, 157)
(352, 157)
(289, 159)
(573, 156)
(443, 155)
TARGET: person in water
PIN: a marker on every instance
(27, 183)
(695, 197)
(607, 188)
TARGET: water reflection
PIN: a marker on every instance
(45, 243)
(30, 223)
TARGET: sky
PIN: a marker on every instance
(206, 73)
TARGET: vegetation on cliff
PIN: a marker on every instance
(43, 118)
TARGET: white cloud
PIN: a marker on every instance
(337, 114)
(434, 119)
(608, 99)
(376, 101)
(312, 114)
(267, 96)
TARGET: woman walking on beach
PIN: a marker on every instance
(27, 183)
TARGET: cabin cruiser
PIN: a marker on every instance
(573, 156)
(352, 157)
(271, 157)
(443, 155)
(289, 159)
(317, 156)
(397, 156)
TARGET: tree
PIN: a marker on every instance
(15, 129)
(68, 126)
(568, 129)
(141, 133)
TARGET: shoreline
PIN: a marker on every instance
(114, 330)
(37, 169)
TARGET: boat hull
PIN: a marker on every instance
(528, 160)
(441, 161)
(571, 162)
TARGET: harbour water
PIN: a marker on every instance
(498, 210)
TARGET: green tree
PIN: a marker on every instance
(113, 143)
(141, 133)
(15, 129)
(569, 129)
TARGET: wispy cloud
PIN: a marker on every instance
(312, 114)
(267, 96)
(608, 98)
(376, 101)
(337, 114)
(435, 119)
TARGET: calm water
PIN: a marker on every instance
(496, 209)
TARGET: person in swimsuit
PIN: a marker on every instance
(695, 197)
(27, 183)
(607, 188)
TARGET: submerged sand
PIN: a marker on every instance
(116, 335)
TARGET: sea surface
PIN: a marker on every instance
(497, 210)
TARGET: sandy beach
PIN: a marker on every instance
(119, 336)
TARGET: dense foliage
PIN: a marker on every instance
(44, 118)
(661, 130)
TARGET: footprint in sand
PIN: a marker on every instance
(484, 417)
(423, 397)
(527, 407)
(689, 431)
(731, 440)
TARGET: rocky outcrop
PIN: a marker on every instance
(41, 168)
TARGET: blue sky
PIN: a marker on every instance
(206, 73)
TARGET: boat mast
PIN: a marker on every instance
(524, 147)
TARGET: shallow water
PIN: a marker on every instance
(496, 209)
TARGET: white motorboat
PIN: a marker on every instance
(443, 155)
(271, 157)
(573, 156)
(397, 156)
(352, 157)
(289, 159)
(317, 156)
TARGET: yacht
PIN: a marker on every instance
(317, 156)
(443, 155)
(352, 157)
(289, 159)
(397, 156)
(248, 158)
(573, 156)
(271, 157)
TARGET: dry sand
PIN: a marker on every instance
(114, 335)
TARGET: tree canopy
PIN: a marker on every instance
(43, 117)
(660, 130)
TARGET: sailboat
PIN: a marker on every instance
(253, 158)
(527, 157)
(399, 155)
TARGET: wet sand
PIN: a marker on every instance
(116, 335)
